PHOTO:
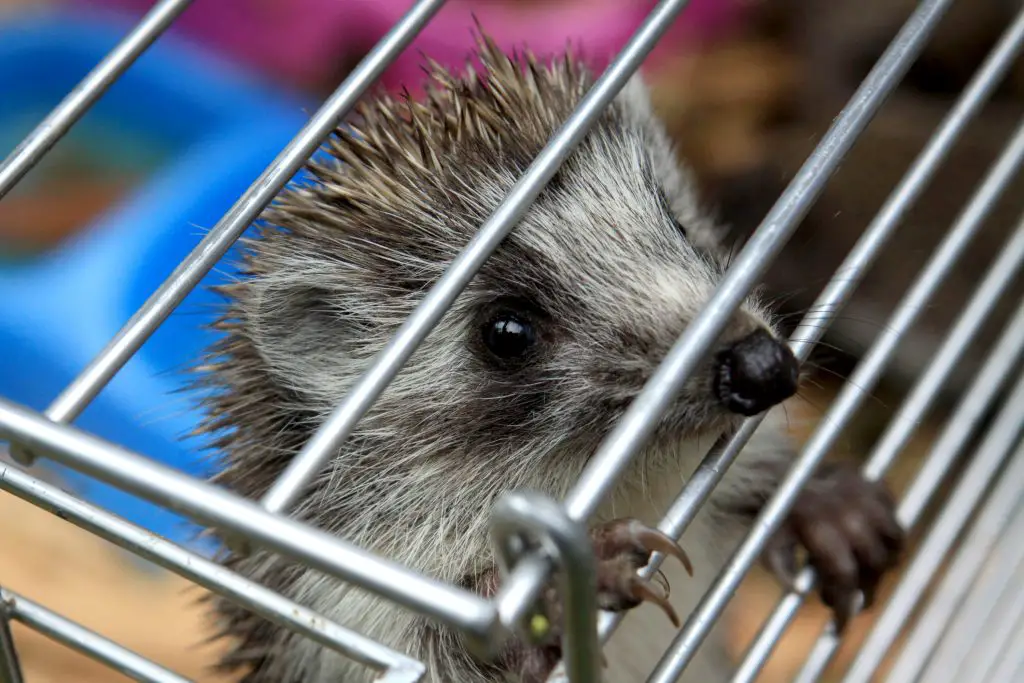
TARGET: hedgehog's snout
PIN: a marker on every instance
(755, 373)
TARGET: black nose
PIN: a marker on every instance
(756, 373)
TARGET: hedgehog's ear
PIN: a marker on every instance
(296, 330)
(634, 100)
(711, 237)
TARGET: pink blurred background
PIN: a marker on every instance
(306, 41)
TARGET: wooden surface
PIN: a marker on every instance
(94, 583)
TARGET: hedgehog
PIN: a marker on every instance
(516, 386)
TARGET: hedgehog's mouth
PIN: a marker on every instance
(755, 373)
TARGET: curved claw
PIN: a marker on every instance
(867, 595)
(652, 539)
(844, 611)
(662, 580)
(643, 591)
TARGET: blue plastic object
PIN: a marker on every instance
(218, 128)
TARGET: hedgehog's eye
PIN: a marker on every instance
(680, 228)
(509, 335)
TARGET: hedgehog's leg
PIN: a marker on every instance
(622, 547)
(848, 527)
(845, 524)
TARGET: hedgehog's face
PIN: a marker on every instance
(554, 337)
(573, 314)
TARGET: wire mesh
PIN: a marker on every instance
(993, 608)
(996, 463)
(82, 639)
(204, 572)
(92, 87)
(10, 666)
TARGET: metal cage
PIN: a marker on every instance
(974, 619)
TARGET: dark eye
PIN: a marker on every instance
(509, 335)
(680, 228)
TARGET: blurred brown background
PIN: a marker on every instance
(745, 112)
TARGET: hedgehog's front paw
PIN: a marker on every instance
(848, 527)
(623, 547)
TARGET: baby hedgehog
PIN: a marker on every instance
(517, 385)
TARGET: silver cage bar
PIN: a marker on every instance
(996, 464)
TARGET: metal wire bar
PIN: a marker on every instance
(954, 436)
(820, 315)
(952, 613)
(778, 621)
(924, 393)
(689, 350)
(854, 392)
(520, 587)
(325, 442)
(10, 667)
(1010, 664)
(1001, 438)
(531, 571)
(982, 391)
(59, 121)
(519, 513)
(985, 633)
(213, 505)
(899, 432)
(963, 610)
(635, 426)
(928, 480)
(73, 400)
(211, 575)
(85, 641)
